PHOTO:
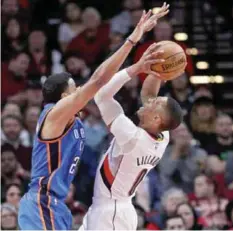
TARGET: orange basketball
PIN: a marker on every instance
(175, 60)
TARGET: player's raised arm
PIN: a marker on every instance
(112, 113)
(150, 88)
(70, 105)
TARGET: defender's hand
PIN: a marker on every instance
(147, 22)
(149, 58)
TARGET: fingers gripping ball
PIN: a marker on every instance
(175, 60)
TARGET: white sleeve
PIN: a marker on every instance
(112, 87)
(123, 129)
(109, 108)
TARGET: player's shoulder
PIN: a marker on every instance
(161, 138)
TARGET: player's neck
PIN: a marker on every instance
(149, 130)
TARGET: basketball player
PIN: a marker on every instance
(133, 152)
(60, 138)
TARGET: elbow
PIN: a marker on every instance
(97, 98)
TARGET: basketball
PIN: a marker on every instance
(175, 60)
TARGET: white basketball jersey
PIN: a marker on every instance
(122, 168)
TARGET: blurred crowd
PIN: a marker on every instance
(191, 188)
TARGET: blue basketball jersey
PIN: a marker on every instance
(54, 162)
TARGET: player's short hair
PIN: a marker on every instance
(174, 114)
(54, 86)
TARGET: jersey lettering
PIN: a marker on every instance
(73, 166)
(81, 147)
(76, 134)
(147, 160)
(82, 133)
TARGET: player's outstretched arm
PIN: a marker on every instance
(150, 88)
(111, 111)
(70, 105)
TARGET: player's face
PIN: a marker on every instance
(149, 115)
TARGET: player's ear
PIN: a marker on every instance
(64, 94)
(157, 119)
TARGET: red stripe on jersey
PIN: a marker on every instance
(107, 171)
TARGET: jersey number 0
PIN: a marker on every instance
(137, 181)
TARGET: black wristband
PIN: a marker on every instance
(133, 43)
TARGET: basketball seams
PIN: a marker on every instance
(166, 59)
(173, 55)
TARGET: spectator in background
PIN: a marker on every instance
(202, 120)
(72, 24)
(181, 91)
(222, 144)
(229, 214)
(229, 172)
(206, 201)
(78, 209)
(11, 134)
(149, 192)
(12, 8)
(13, 38)
(221, 172)
(169, 201)
(34, 95)
(14, 77)
(182, 161)
(143, 224)
(12, 171)
(190, 217)
(141, 217)
(162, 31)
(11, 109)
(95, 129)
(91, 44)
(13, 194)
(31, 117)
(8, 217)
(122, 22)
(40, 55)
(128, 98)
(203, 90)
(11, 129)
(77, 67)
(116, 40)
(175, 223)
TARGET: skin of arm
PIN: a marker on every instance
(65, 109)
(63, 112)
(150, 88)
